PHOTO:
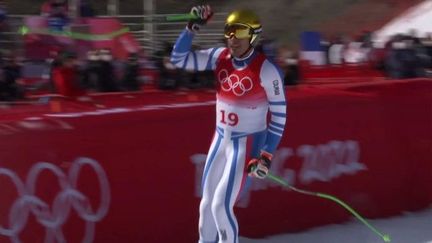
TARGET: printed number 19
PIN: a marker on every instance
(232, 118)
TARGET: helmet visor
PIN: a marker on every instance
(239, 31)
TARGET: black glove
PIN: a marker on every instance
(203, 13)
(259, 167)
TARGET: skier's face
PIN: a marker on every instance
(238, 47)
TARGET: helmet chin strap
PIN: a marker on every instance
(251, 46)
(246, 52)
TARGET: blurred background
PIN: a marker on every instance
(312, 41)
(96, 121)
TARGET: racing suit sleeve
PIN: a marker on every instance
(272, 82)
(184, 57)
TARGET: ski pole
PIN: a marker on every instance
(24, 30)
(385, 237)
(181, 17)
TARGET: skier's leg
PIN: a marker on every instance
(228, 189)
(213, 170)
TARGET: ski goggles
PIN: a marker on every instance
(239, 31)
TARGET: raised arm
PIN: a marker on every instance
(184, 57)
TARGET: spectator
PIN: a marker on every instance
(86, 9)
(53, 61)
(91, 71)
(413, 36)
(268, 47)
(58, 17)
(3, 20)
(355, 53)
(46, 8)
(3, 15)
(336, 50)
(292, 76)
(191, 80)
(10, 89)
(65, 77)
(401, 61)
(3, 87)
(423, 59)
(170, 75)
(366, 38)
(288, 61)
(325, 46)
(107, 82)
(130, 79)
(427, 43)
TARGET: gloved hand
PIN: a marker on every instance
(259, 167)
(203, 13)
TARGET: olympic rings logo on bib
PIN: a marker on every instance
(233, 83)
(52, 216)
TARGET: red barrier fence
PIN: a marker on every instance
(367, 144)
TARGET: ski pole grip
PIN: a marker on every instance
(181, 17)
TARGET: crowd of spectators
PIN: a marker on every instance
(408, 56)
(174, 78)
(100, 72)
(401, 56)
(63, 72)
(72, 77)
(404, 56)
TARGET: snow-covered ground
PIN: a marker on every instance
(413, 227)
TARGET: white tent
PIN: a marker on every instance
(417, 18)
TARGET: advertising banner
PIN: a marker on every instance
(132, 173)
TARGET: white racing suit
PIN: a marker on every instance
(246, 90)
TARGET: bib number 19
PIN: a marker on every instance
(230, 119)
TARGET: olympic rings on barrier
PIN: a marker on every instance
(233, 83)
(53, 217)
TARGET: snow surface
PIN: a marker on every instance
(410, 227)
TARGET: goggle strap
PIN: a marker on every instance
(257, 30)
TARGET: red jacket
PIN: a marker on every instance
(66, 81)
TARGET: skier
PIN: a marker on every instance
(248, 85)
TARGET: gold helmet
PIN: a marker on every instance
(243, 24)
